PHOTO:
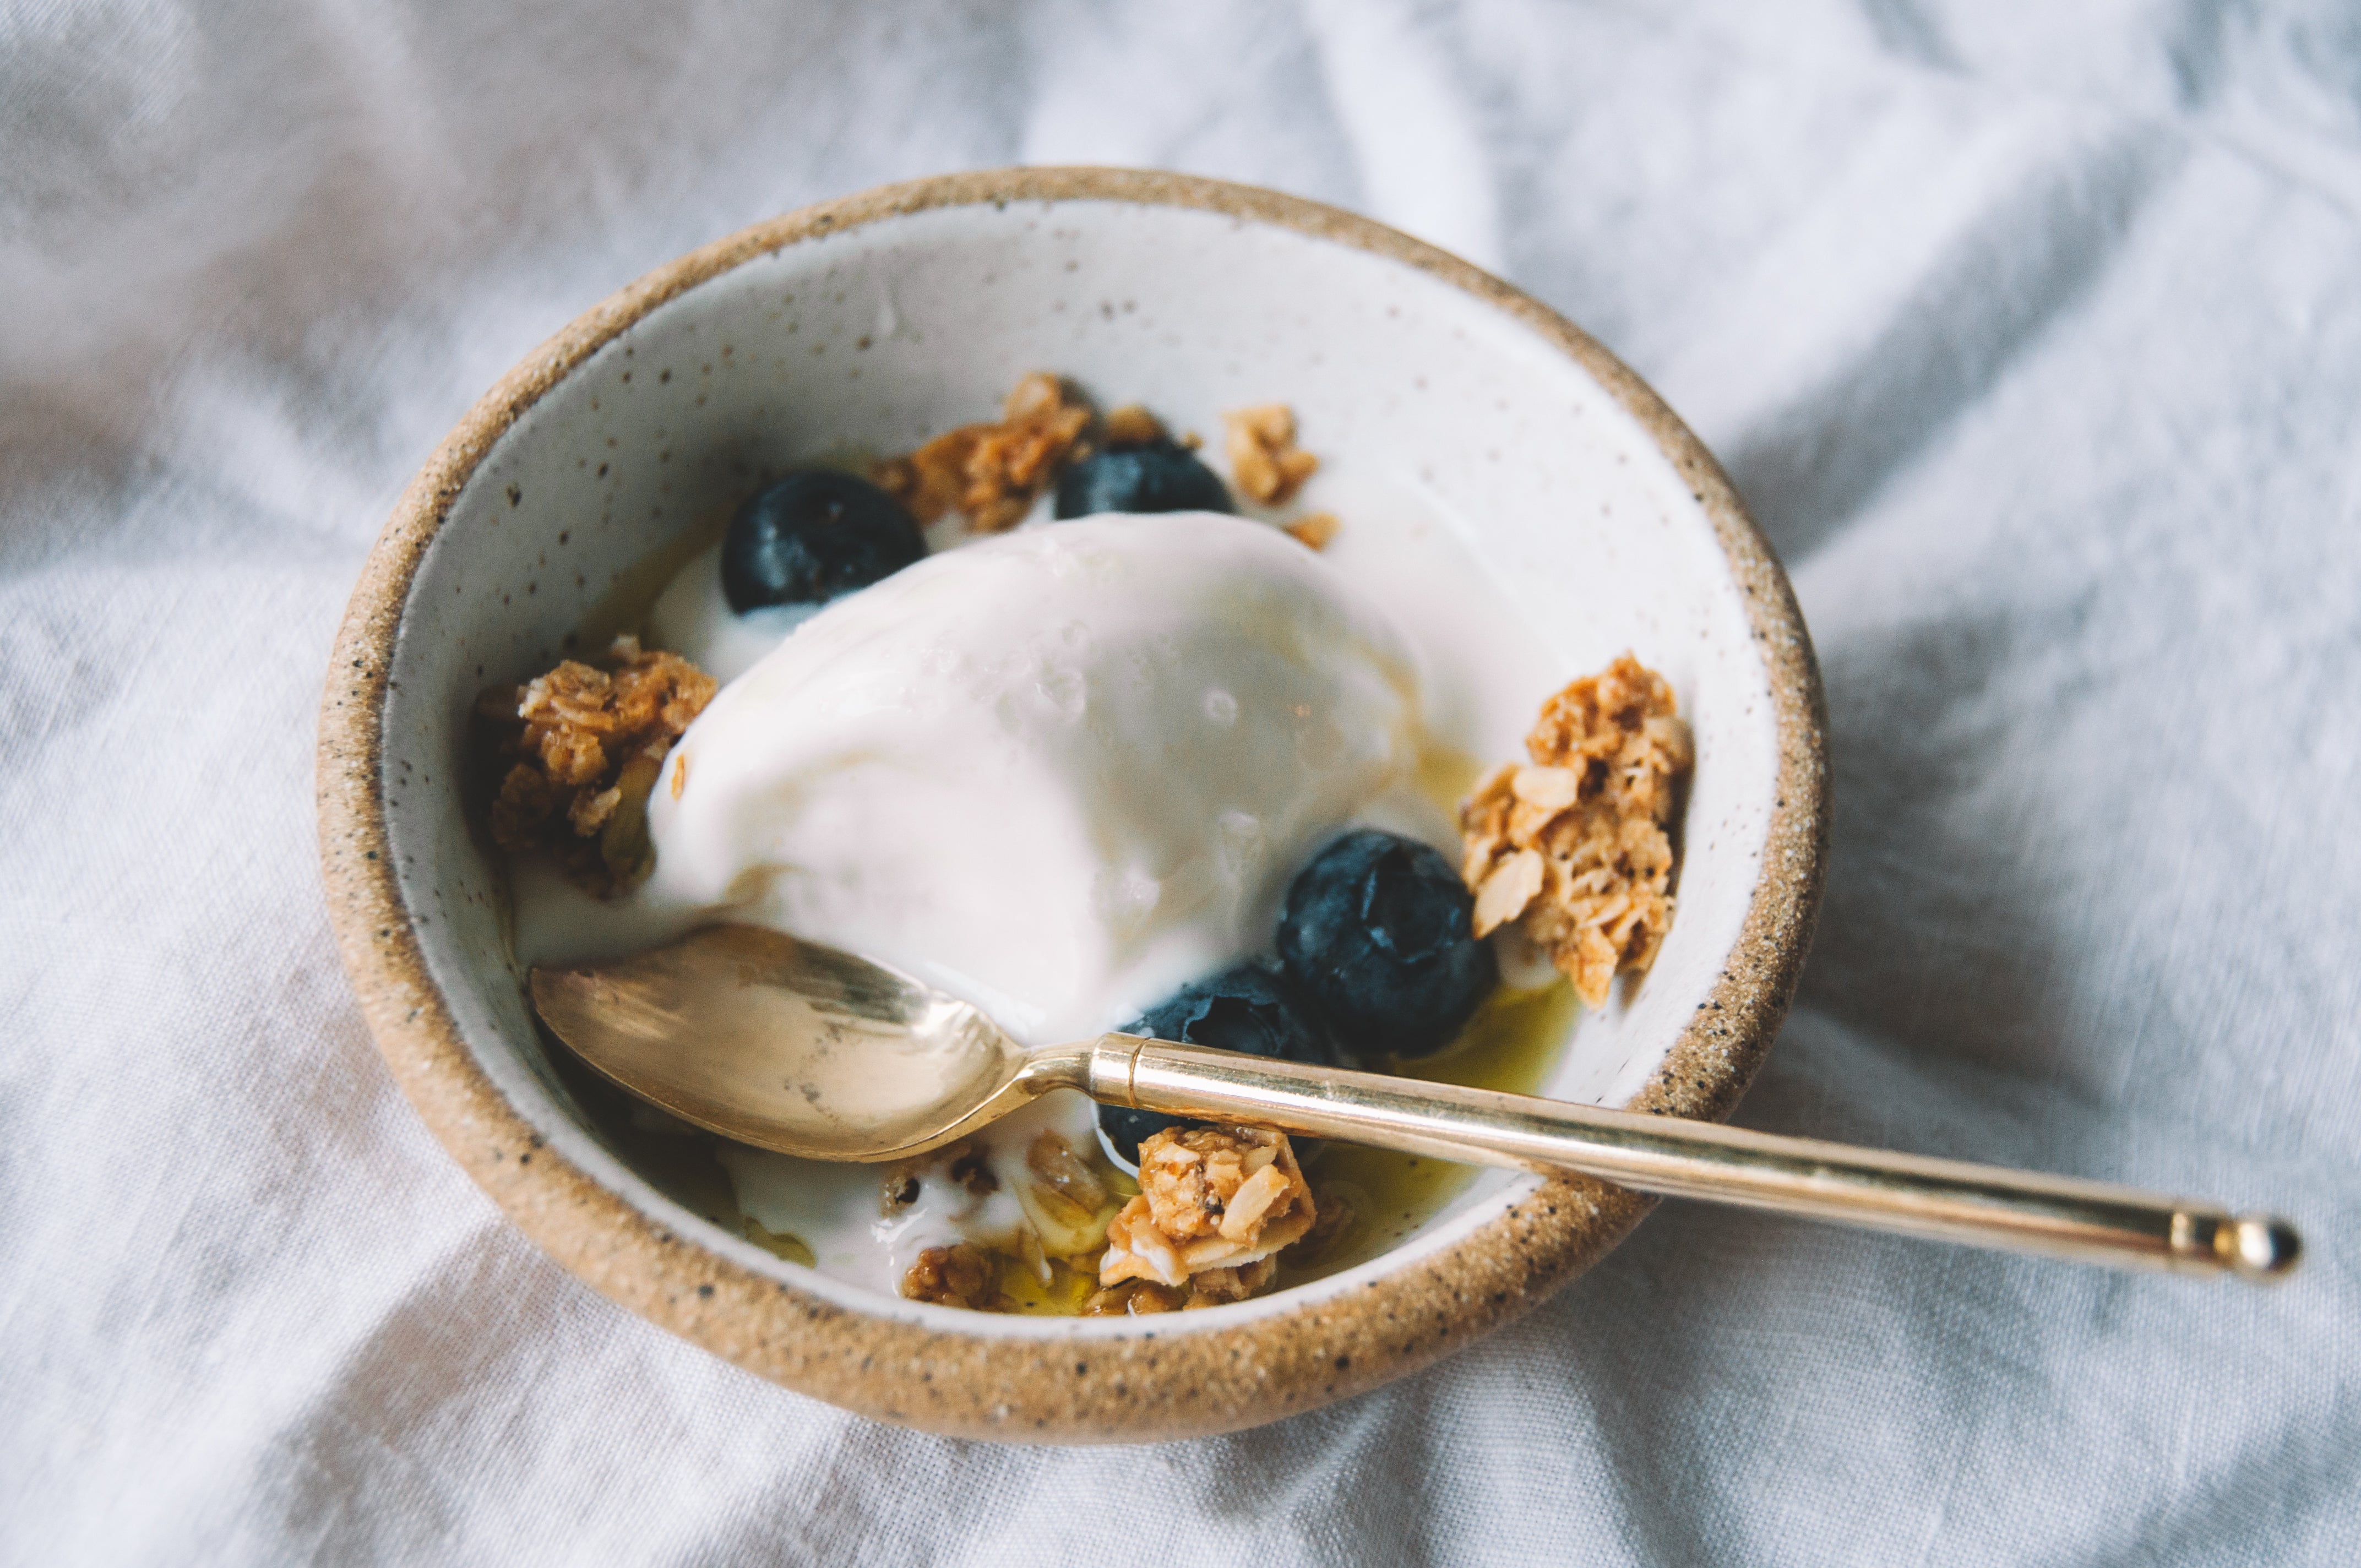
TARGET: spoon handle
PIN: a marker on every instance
(1945, 1199)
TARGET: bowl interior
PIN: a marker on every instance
(872, 338)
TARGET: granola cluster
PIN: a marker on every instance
(1213, 1208)
(1216, 1207)
(1264, 462)
(1574, 847)
(990, 473)
(589, 743)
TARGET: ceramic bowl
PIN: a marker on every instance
(872, 323)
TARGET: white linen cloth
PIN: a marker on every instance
(2032, 332)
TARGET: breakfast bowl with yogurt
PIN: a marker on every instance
(1123, 602)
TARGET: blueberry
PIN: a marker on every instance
(1155, 476)
(1248, 1008)
(1378, 931)
(812, 536)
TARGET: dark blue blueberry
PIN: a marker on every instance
(813, 536)
(1155, 476)
(1378, 931)
(1250, 1009)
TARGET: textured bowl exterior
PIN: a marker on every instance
(1132, 1379)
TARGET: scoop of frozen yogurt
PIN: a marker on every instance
(1059, 773)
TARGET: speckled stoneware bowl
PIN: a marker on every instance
(878, 320)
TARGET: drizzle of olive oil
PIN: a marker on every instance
(1445, 774)
(1510, 1044)
(780, 1244)
(1060, 1295)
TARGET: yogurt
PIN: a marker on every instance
(1058, 773)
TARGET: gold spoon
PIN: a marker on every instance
(794, 1046)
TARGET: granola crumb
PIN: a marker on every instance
(1211, 1199)
(1133, 1298)
(965, 1164)
(990, 473)
(1033, 1256)
(1314, 529)
(899, 1190)
(959, 1276)
(1052, 1160)
(1574, 847)
(1211, 1287)
(1065, 1202)
(590, 743)
(962, 1164)
(1264, 462)
(1133, 425)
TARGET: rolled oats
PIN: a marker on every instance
(1053, 1162)
(1211, 1287)
(1133, 1298)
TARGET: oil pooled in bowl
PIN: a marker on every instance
(1511, 1045)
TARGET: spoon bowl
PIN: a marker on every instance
(787, 1044)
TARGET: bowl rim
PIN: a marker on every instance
(928, 1374)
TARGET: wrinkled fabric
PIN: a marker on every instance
(2032, 334)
